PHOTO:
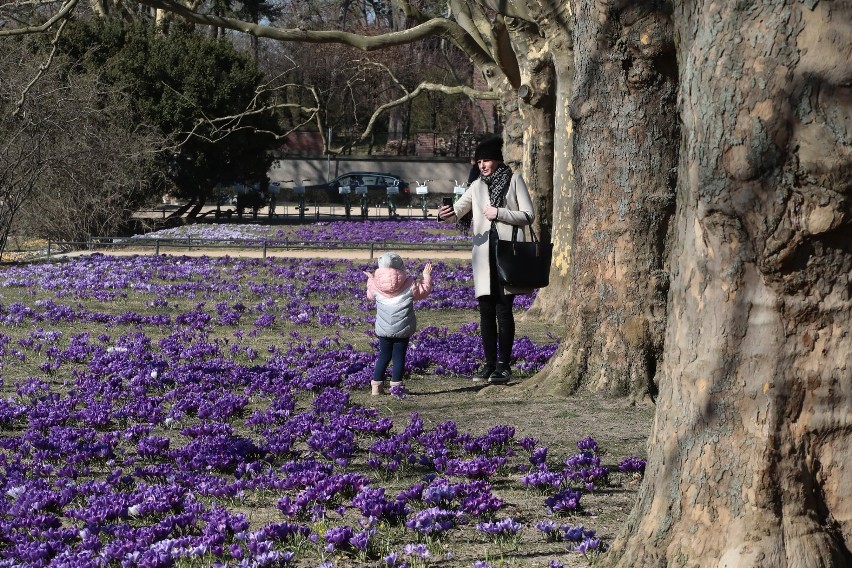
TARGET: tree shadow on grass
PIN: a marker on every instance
(473, 388)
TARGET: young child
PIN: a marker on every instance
(394, 292)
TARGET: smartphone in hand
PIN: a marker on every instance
(445, 202)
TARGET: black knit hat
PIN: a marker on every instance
(491, 149)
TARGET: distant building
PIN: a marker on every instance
(302, 143)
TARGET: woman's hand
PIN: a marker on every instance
(445, 212)
(490, 212)
(427, 270)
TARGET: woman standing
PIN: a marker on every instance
(501, 197)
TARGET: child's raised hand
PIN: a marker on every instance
(427, 270)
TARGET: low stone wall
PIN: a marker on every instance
(443, 172)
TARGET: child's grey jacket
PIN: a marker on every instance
(394, 292)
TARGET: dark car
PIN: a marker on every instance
(377, 184)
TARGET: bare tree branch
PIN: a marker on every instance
(409, 96)
(490, 36)
(41, 69)
(431, 28)
(422, 88)
(225, 125)
(510, 9)
(463, 16)
(222, 126)
(505, 55)
(62, 14)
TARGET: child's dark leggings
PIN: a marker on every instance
(497, 325)
(391, 349)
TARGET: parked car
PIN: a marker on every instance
(377, 184)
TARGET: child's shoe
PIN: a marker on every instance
(377, 388)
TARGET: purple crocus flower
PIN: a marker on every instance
(632, 464)
(565, 501)
(501, 529)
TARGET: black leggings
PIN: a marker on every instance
(497, 325)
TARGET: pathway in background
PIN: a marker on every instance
(287, 213)
(352, 254)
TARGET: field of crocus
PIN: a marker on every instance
(198, 411)
(417, 231)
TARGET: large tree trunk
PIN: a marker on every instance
(555, 211)
(750, 461)
(536, 108)
(625, 149)
(526, 114)
(535, 102)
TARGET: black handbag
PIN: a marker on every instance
(521, 264)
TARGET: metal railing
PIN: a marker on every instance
(412, 208)
(265, 245)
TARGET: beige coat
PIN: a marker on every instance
(516, 204)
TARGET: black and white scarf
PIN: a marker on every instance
(498, 184)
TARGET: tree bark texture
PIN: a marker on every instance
(624, 158)
(527, 114)
(535, 104)
(750, 460)
(555, 214)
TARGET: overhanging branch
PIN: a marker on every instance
(421, 88)
(63, 13)
(432, 28)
